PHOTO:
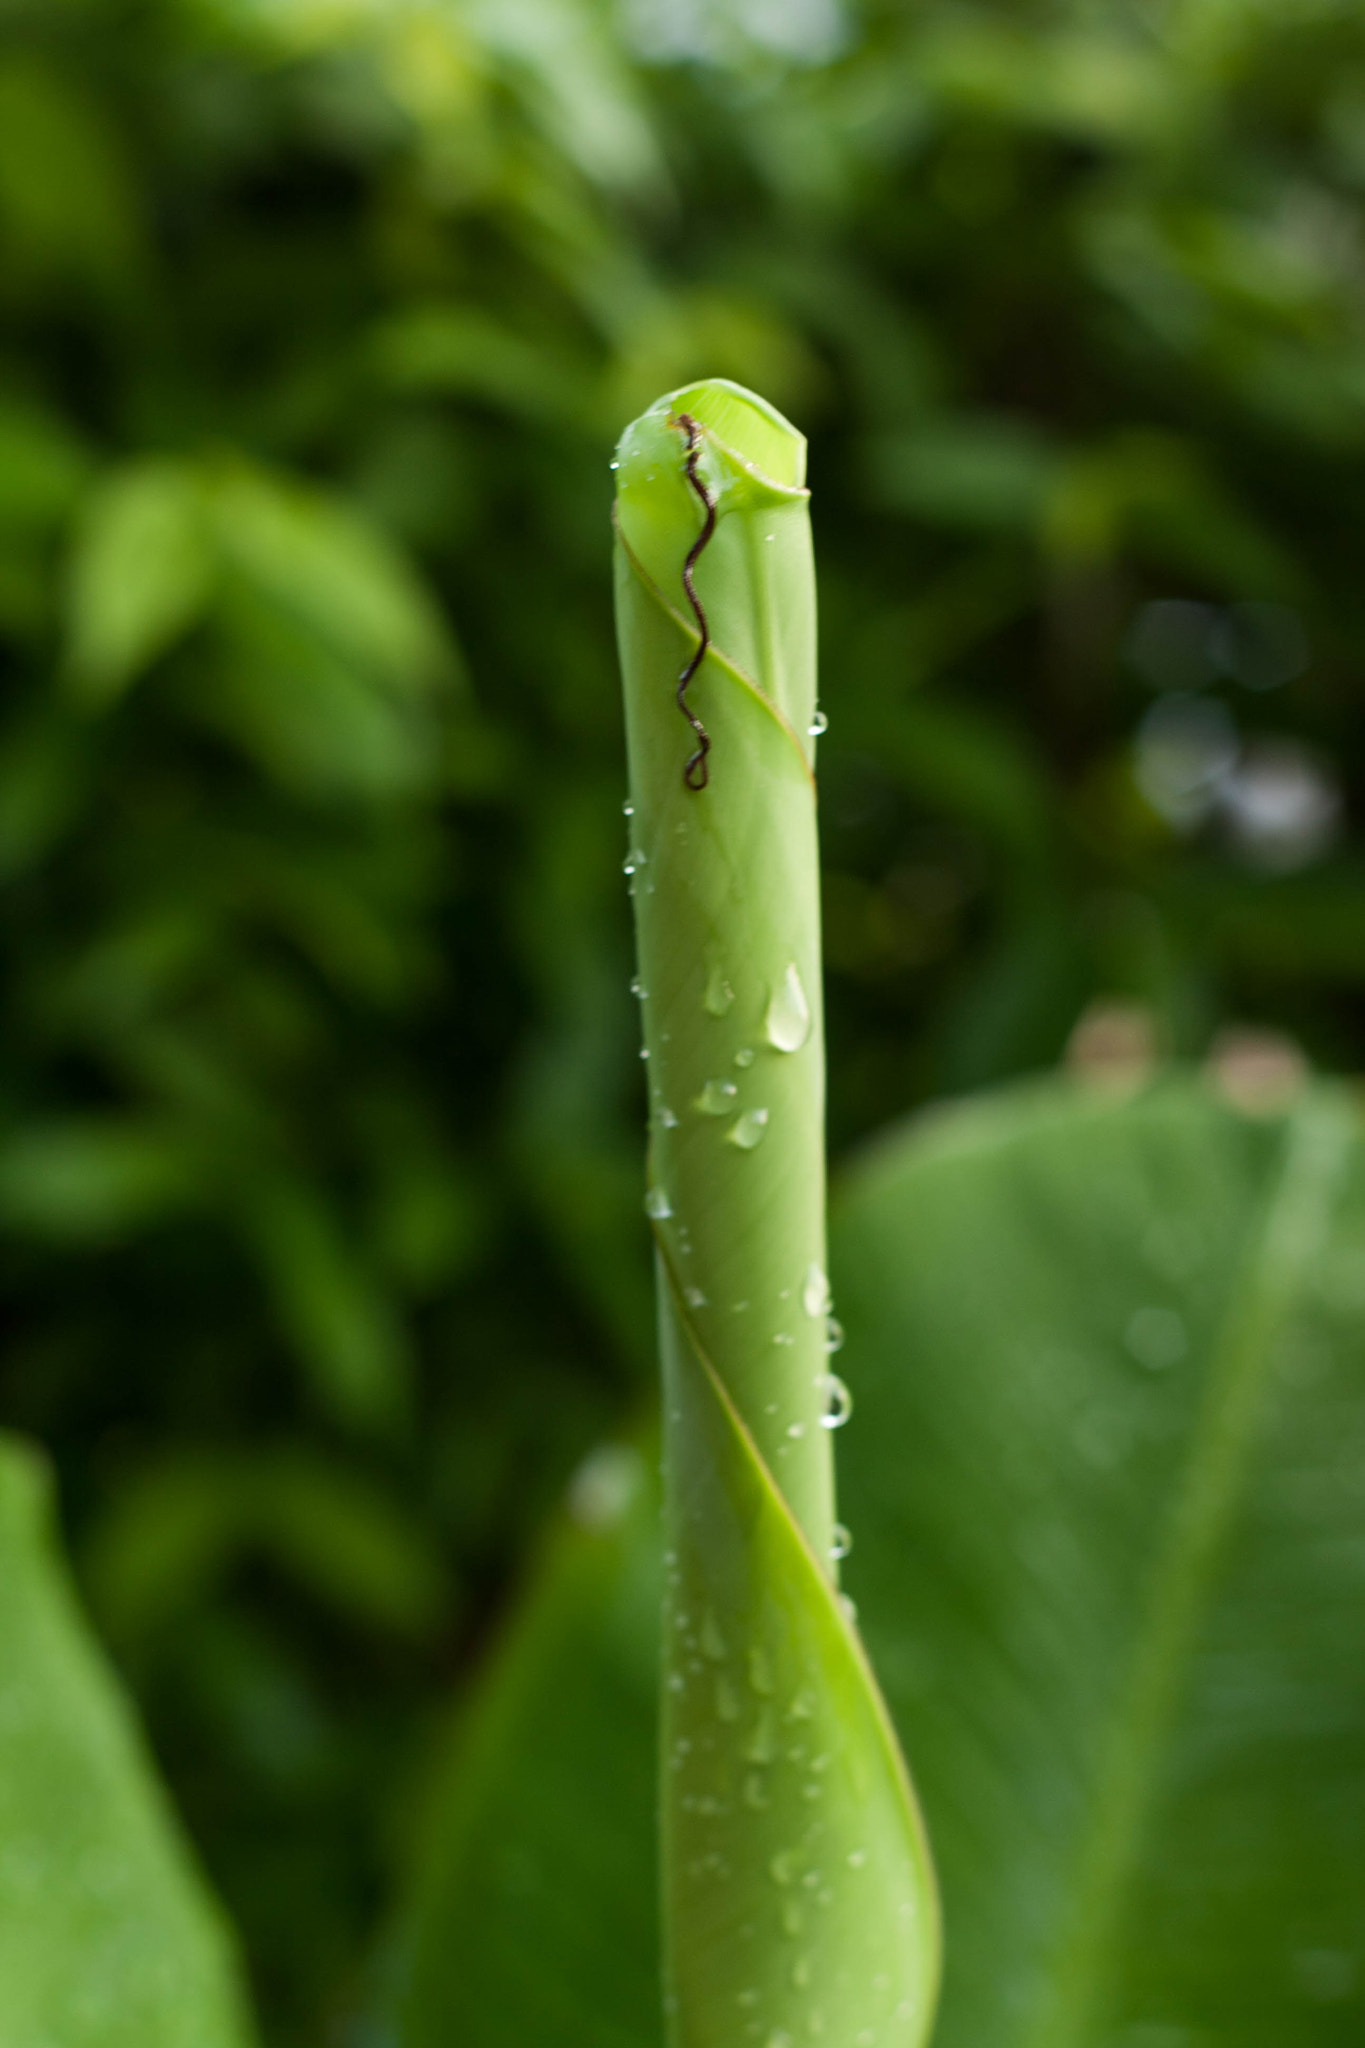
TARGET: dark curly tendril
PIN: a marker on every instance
(696, 774)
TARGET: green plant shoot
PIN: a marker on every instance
(798, 1896)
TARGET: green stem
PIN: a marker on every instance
(797, 1892)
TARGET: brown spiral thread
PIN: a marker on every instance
(696, 774)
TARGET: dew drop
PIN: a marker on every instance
(718, 994)
(783, 1338)
(657, 1204)
(633, 861)
(779, 2038)
(712, 1641)
(627, 809)
(787, 1024)
(848, 1608)
(840, 1542)
(782, 1867)
(668, 1119)
(815, 1291)
(638, 989)
(796, 1429)
(761, 1747)
(802, 1707)
(747, 1130)
(613, 464)
(716, 1097)
(839, 1399)
(644, 1052)
(834, 1335)
(694, 1297)
(745, 1056)
(857, 1858)
(818, 725)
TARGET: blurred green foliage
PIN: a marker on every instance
(319, 1120)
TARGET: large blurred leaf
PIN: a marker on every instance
(536, 1907)
(1104, 1476)
(107, 1939)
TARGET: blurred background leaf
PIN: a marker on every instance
(106, 1933)
(319, 1111)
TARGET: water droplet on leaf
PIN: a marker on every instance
(839, 1399)
(834, 1334)
(718, 994)
(841, 1542)
(657, 1204)
(747, 1131)
(818, 725)
(761, 1747)
(716, 1097)
(634, 860)
(815, 1291)
(787, 1024)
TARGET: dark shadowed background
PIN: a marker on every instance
(320, 1121)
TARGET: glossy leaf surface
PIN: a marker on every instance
(107, 1937)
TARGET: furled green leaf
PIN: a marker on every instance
(107, 1938)
(1104, 1479)
(797, 1889)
